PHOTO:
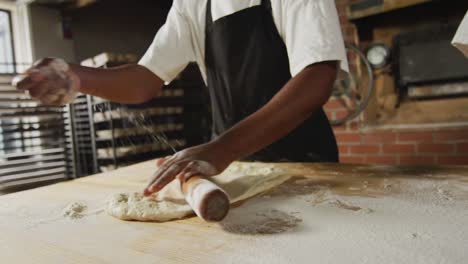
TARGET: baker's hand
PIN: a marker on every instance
(50, 81)
(203, 160)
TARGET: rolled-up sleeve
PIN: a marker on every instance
(171, 49)
(461, 37)
(312, 34)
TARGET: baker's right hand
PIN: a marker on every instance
(50, 81)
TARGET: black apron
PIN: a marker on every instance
(247, 64)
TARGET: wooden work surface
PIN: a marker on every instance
(34, 230)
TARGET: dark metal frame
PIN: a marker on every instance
(12, 43)
(92, 132)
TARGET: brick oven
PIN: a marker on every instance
(418, 110)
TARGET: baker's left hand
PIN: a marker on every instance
(203, 160)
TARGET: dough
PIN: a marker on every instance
(240, 180)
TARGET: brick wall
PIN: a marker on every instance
(421, 145)
(348, 29)
(427, 146)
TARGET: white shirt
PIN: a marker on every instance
(310, 30)
(460, 40)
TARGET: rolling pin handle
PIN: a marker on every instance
(208, 201)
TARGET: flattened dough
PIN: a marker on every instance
(240, 180)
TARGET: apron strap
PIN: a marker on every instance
(208, 16)
(267, 5)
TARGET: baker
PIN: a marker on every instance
(269, 66)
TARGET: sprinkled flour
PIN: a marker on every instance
(74, 210)
(265, 222)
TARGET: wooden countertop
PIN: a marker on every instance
(317, 218)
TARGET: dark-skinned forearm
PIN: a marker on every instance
(129, 84)
(292, 105)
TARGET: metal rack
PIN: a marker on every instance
(41, 144)
(81, 137)
(34, 147)
(124, 135)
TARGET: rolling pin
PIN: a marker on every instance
(208, 201)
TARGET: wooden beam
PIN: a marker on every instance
(80, 4)
(62, 4)
(379, 7)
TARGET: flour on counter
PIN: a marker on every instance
(264, 222)
(340, 204)
(75, 210)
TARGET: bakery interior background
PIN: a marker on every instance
(398, 107)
